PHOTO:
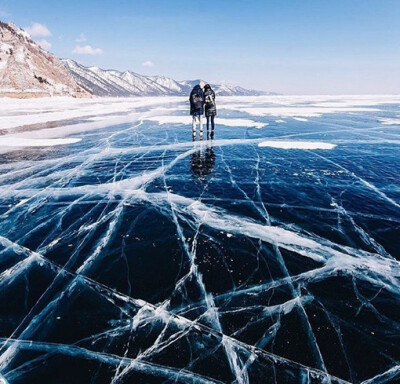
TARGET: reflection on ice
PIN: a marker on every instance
(137, 256)
(202, 162)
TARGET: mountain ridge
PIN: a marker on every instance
(111, 82)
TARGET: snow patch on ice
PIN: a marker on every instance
(390, 121)
(296, 144)
(186, 120)
(13, 141)
(66, 108)
(296, 112)
(306, 106)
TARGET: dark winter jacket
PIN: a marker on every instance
(210, 105)
(196, 99)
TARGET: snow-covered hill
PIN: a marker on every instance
(102, 82)
(27, 70)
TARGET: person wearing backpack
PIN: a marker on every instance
(210, 108)
(196, 99)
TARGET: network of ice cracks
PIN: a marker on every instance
(137, 256)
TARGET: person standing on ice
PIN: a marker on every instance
(196, 99)
(210, 109)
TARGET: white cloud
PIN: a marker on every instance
(44, 44)
(87, 50)
(38, 30)
(4, 14)
(148, 63)
(81, 38)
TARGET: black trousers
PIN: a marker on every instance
(212, 126)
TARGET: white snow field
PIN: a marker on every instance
(26, 121)
(131, 254)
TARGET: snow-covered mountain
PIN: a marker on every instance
(102, 82)
(27, 70)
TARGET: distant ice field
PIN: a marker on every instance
(131, 254)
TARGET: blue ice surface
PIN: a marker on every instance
(137, 256)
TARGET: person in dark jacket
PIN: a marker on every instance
(196, 99)
(211, 109)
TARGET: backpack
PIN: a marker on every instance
(209, 100)
(197, 100)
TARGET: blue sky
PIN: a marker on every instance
(287, 46)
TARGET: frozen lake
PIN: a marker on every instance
(130, 254)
